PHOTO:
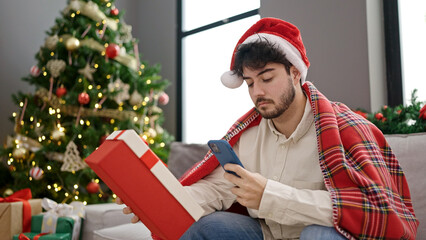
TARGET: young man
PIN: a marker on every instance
(313, 169)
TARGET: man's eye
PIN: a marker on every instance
(267, 80)
(249, 84)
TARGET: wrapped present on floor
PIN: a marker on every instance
(127, 165)
(60, 221)
(16, 211)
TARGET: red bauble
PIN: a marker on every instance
(93, 187)
(112, 50)
(114, 12)
(61, 91)
(102, 139)
(83, 98)
(163, 99)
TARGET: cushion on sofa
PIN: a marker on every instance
(129, 231)
(184, 155)
(410, 150)
(99, 216)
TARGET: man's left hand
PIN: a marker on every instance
(249, 186)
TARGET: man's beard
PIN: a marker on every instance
(285, 101)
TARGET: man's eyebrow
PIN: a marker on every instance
(262, 72)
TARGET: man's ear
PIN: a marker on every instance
(295, 75)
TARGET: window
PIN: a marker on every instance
(206, 44)
(412, 23)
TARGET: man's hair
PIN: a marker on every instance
(257, 54)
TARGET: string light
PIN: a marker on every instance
(96, 65)
(90, 87)
(72, 15)
(112, 121)
(100, 94)
(66, 194)
(58, 116)
(75, 186)
(79, 136)
(135, 107)
(52, 54)
(108, 4)
(88, 123)
(14, 114)
(144, 103)
(81, 122)
(108, 76)
(49, 187)
(135, 119)
(78, 12)
(76, 197)
(49, 167)
(162, 144)
(148, 81)
(21, 104)
(31, 118)
(80, 80)
(45, 74)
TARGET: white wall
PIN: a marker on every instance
(335, 34)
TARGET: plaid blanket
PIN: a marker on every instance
(368, 189)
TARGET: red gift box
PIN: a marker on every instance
(127, 165)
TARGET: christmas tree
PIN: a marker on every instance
(89, 82)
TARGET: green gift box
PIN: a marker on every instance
(52, 236)
(64, 228)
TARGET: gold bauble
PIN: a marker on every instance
(7, 192)
(72, 44)
(20, 153)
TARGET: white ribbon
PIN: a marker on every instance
(74, 210)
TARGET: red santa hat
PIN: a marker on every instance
(284, 35)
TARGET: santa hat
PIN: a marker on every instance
(283, 35)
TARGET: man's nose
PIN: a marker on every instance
(258, 89)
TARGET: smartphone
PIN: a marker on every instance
(224, 153)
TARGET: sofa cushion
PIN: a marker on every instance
(129, 231)
(410, 150)
(184, 155)
(104, 215)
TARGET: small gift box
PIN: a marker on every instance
(61, 221)
(16, 211)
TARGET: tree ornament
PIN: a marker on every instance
(163, 99)
(121, 88)
(93, 187)
(87, 72)
(57, 134)
(114, 11)
(112, 50)
(72, 159)
(36, 173)
(56, 67)
(7, 192)
(135, 98)
(35, 71)
(83, 98)
(20, 153)
(61, 91)
(72, 44)
(51, 42)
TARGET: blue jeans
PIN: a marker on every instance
(224, 225)
(318, 232)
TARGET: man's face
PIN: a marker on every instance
(271, 89)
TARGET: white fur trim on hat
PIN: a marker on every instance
(231, 79)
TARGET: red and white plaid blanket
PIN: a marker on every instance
(369, 192)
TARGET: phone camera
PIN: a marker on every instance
(214, 147)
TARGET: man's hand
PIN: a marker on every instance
(127, 210)
(250, 186)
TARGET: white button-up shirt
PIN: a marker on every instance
(295, 195)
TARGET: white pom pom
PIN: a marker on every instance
(231, 80)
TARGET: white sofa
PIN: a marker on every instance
(107, 222)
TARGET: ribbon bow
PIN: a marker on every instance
(54, 210)
(22, 196)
